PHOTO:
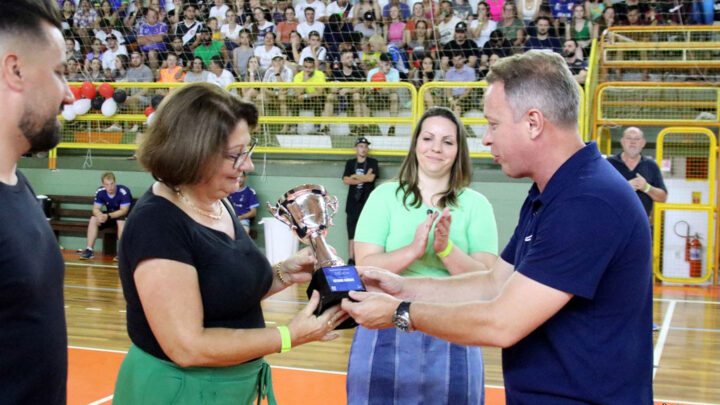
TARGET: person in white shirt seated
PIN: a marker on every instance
(219, 10)
(318, 7)
(218, 75)
(314, 50)
(310, 25)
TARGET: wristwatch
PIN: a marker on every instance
(401, 317)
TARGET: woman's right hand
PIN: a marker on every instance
(305, 327)
(422, 232)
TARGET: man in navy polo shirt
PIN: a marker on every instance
(569, 300)
(116, 200)
(244, 203)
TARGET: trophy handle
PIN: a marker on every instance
(274, 211)
(332, 205)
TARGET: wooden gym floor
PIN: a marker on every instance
(687, 348)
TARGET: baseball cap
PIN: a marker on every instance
(277, 56)
(369, 16)
(362, 139)
(110, 36)
(461, 26)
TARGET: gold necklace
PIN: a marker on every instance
(200, 210)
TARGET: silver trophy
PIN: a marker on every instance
(308, 210)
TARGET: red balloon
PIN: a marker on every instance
(149, 110)
(76, 92)
(87, 90)
(106, 90)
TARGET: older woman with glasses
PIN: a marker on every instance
(192, 279)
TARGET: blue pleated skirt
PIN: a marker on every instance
(391, 367)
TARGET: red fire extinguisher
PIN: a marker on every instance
(695, 256)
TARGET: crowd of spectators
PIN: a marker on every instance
(223, 41)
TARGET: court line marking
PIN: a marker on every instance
(675, 401)
(663, 337)
(90, 264)
(687, 301)
(696, 329)
(102, 400)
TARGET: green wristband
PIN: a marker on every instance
(447, 250)
(648, 187)
(285, 338)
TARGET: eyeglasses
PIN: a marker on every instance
(240, 158)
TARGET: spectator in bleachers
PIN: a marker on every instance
(462, 9)
(119, 71)
(482, 26)
(113, 50)
(171, 73)
(393, 29)
(379, 99)
(594, 9)
(360, 12)
(512, 28)
(376, 46)
(368, 27)
(107, 12)
(311, 98)
(95, 72)
(607, 20)
(279, 72)
(634, 17)
(562, 11)
(319, 12)
(106, 29)
(419, 45)
(543, 40)
(71, 49)
(219, 10)
(96, 52)
(182, 54)
(152, 33)
(287, 26)
(654, 16)
(197, 72)
(84, 20)
(138, 72)
(73, 70)
(244, 202)
(67, 14)
(337, 32)
(347, 72)
(426, 74)
(217, 74)
(461, 99)
(215, 34)
(461, 44)
(315, 50)
(574, 59)
(242, 53)
(207, 47)
(230, 31)
(545, 11)
(134, 19)
(267, 51)
(496, 9)
(445, 29)
(254, 73)
(292, 51)
(418, 13)
(402, 8)
(261, 26)
(305, 27)
(277, 12)
(528, 10)
(579, 28)
(110, 209)
(496, 44)
(188, 28)
(343, 8)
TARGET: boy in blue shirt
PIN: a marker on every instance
(245, 203)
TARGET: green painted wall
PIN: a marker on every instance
(270, 180)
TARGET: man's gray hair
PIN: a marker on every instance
(540, 80)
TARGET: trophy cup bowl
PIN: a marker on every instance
(308, 211)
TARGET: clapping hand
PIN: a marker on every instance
(422, 233)
(442, 231)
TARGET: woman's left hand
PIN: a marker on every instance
(300, 266)
(442, 231)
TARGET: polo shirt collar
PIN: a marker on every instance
(565, 175)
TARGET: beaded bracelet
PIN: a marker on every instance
(279, 273)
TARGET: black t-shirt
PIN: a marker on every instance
(646, 168)
(233, 274)
(468, 48)
(358, 194)
(33, 337)
(357, 75)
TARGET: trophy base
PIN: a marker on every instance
(334, 284)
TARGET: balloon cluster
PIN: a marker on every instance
(105, 99)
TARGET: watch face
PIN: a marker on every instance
(402, 321)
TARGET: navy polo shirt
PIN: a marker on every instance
(121, 198)
(646, 168)
(586, 234)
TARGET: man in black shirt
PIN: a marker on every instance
(461, 44)
(347, 72)
(543, 40)
(360, 174)
(573, 57)
(33, 337)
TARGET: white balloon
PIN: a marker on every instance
(109, 107)
(68, 112)
(81, 106)
(150, 118)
